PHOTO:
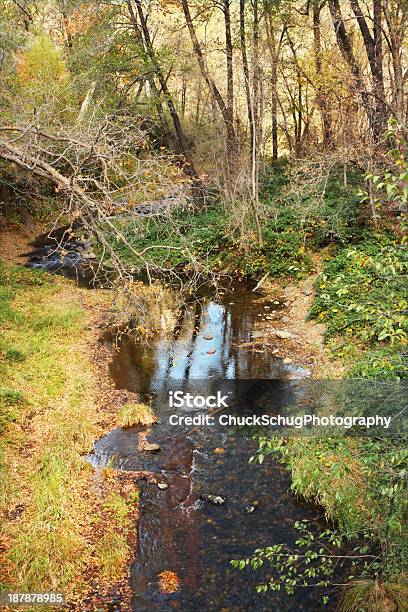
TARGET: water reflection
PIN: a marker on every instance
(207, 343)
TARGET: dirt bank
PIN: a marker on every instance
(289, 334)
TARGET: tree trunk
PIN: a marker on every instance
(188, 167)
(346, 49)
(321, 94)
(86, 102)
(231, 137)
(297, 104)
(230, 71)
(374, 51)
(395, 39)
(256, 72)
(170, 139)
(245, 66)
(274, 50)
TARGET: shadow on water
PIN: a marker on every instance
(178, 531)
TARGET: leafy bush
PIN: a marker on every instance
(361, 294)
(381, 365)
(312, 199)
(361, 484)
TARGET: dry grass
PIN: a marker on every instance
(375, 596)
(132, 414)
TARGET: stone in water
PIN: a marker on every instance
(151, 448)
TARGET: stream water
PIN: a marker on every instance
(181, 531)
(178, 531)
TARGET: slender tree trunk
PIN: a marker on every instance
(274, 110)
(183, 95)
(256, 101)
(395, 38)
(321, 96)
(198, 103)
(150, 82)
(297, 104)
(189, 165)
(256, 118)
(256, 70)
(274, 50)
(231, 136)
(86, 102)
(230, 69)
(346, 49)
(374, 50)
(381, 109)
(244, 55)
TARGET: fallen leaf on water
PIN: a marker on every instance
(169, 582)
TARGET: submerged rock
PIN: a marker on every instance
(217, 500)
(151, 448)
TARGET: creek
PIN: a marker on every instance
(180, 530)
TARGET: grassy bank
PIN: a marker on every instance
(60, 530)
(360, 482)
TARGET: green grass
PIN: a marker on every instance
(113, 554)
(48, 421)
(51, 384)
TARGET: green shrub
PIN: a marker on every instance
(360, 294)
(11, 397)
(381, 364)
